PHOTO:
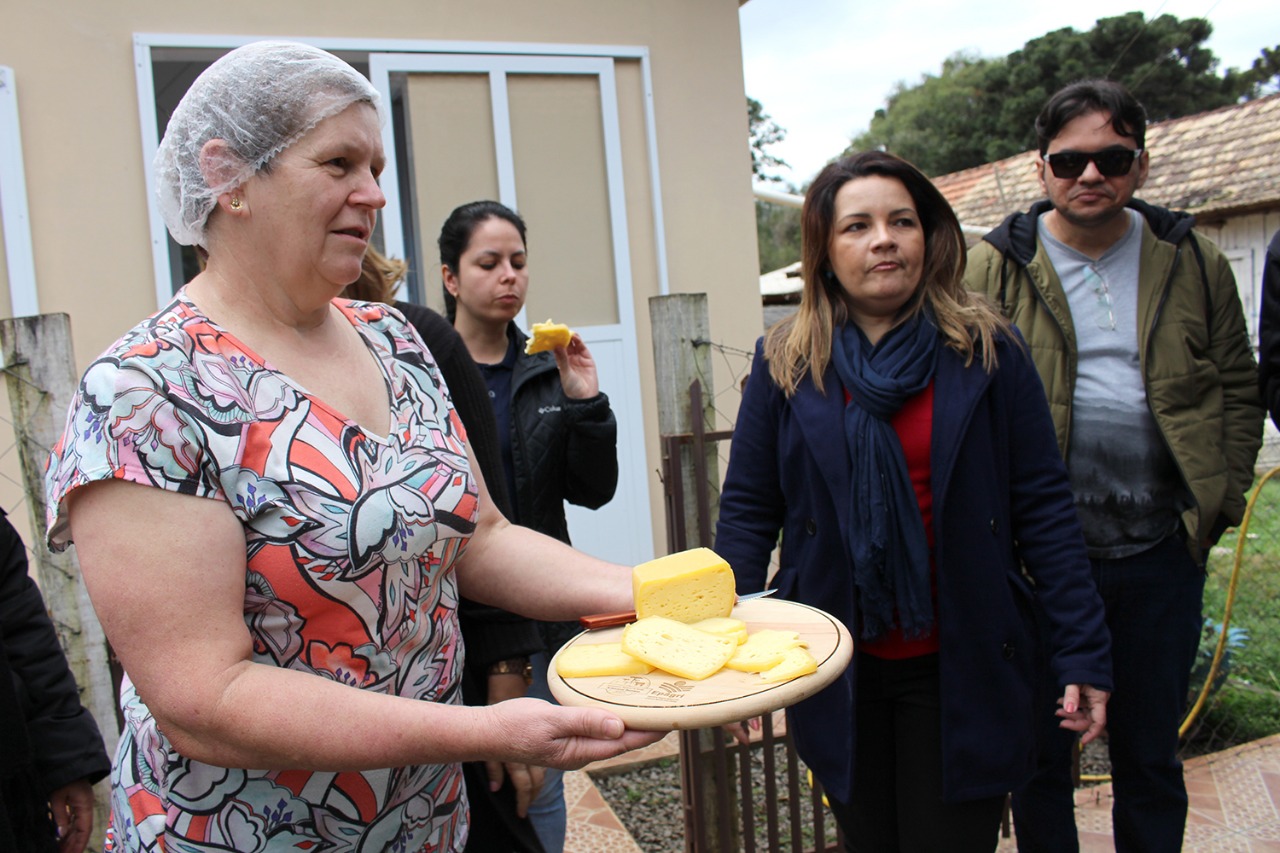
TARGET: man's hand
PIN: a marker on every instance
(72, 807)
(1083, 709)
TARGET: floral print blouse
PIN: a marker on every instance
(351, 542)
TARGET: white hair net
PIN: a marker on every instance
(260, 99)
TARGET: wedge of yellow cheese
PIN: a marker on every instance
(764, 649)
(677, 648)
(547, 336)
(795, 663)
(584, 661)
(724, 626)
(687, 586)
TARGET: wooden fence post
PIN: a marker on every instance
(39, 369)
(682, 355)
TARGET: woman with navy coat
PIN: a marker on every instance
(894, 433)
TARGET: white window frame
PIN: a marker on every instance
(16, 218)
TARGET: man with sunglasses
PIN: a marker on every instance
(1137, 331)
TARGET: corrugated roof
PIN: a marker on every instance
(1212, 164)
(782, 282)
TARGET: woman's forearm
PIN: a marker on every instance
(553, 581)
(257, 716)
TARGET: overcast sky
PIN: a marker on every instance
(821, 68)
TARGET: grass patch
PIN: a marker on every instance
(1256, 607)
(1247, 707)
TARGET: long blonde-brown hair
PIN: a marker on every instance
(378, 278)
(969, 323)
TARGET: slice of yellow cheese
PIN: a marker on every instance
(547, 336)
(764, 649)
(677, 648)
(584, 661)
(795, 663)
(724, 626)
(687, 586)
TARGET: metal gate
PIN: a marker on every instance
(725, 808)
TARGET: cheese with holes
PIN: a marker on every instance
(547, 336)
(764, 649)
(687, 586)
(795, 663)
(584, 661)
(677, 648)
(724, 626)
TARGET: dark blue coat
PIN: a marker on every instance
(1001, 502)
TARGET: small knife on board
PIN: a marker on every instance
(609, 620)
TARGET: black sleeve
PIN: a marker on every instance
(1269, 331)
(491, 634)
(591, 458)
(63, 738)
(470, 396)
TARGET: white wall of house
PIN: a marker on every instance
(1244, 239)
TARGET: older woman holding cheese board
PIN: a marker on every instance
(276, 510)
(895, 434)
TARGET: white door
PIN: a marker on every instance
(541, 135)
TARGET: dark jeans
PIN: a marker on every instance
(896, 803)
(1153, 606)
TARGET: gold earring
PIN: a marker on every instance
(235, 203)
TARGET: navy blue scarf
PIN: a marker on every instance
(886, 534)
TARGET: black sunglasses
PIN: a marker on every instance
(1111, 162)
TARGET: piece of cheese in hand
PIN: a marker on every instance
(677, 648)
(795, 663)
(764, 649)
(547, 336)
(687, 586)
(724, 626)
(584, 661)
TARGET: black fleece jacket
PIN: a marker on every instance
(47, 738)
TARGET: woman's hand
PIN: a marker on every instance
(72, 807)
(537, 732)
(578, 375)
(1083, 709)
(526, 779)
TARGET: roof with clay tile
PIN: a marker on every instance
(1214, 164)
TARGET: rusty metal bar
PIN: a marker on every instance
(819, 817)
(794, 787)
(673, 487)
(770, 782)
(692, 793)
(747, 797)
(700, 465)
(724, 790)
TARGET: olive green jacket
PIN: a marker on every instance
(1196, 358)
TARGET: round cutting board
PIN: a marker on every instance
(660, 701)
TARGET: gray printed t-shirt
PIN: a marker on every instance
(1127, 488)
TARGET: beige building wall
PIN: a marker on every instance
(73, 64)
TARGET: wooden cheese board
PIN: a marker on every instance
(660, 701)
